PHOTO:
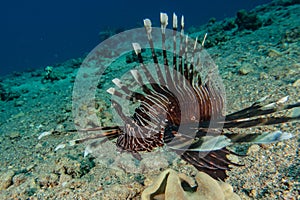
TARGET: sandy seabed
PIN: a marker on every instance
(252, 64)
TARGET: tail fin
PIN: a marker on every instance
(214, 163)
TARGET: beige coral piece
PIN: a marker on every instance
(168, 186)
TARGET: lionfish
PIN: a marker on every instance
(184, 110)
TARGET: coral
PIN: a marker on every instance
(171, 185)
(51, 75)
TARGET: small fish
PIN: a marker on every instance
(183, 107)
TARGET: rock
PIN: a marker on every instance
(274, 53)
(6, 179)
(154, 162)
(209, 187)
(230, 24)
(7, 94)
(291, 35)
(14, 135)
(18, 115)
(252, 149)
(51, 75)
(19, 179)
(228, 191)
(247, 20)
(71, 167)
(245, 69)
(19, 103)
(296, 83)
(169, 186)
(128, 163)
(48, 180)
(64, 180)
(263, 76)
(128, 191)
(30, 167)
(294, 113)
(60, 128)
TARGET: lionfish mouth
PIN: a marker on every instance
(180, 102)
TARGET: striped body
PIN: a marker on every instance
(168, 101)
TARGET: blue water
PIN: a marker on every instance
(39, 33)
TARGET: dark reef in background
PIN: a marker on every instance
(247, 20)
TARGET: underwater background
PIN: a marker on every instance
(35, 34)
(43, 45)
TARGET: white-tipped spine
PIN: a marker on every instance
(148, 25)
(111, 90)
(135, 75)
(117, 82)
(175, 21)
(203, 41)
(163, 21)
(137, 48)
(195, 44)
(182, 21)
